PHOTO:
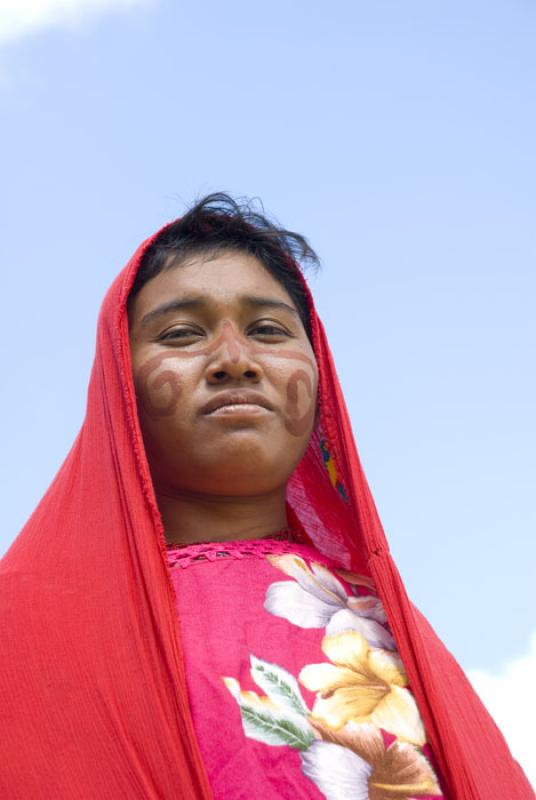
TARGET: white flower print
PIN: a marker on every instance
(317, 599)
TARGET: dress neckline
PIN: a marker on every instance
(284, 535)
(212, 552)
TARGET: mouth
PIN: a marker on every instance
(239, 410)
(237, 403)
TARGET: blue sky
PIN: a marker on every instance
(399, 137)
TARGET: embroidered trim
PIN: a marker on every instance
(186, 555)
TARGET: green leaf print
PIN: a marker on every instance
(280, 686)
(275, 727)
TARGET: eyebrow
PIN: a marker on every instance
(194, 303)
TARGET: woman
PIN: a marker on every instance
(204, 603)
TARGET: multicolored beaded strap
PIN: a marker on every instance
(329, 464)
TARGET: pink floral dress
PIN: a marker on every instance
(295, 685)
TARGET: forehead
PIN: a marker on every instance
(222, 278)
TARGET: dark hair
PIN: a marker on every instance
(217, 223)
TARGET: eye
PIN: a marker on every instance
(268, 330)
(183, 334)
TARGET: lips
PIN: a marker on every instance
(236, 398)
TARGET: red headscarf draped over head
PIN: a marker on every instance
(93, 702)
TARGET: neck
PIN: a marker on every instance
(190, 518)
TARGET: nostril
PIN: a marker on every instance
(250, 373)
(219, 375)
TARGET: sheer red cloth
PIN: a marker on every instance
(93, 702)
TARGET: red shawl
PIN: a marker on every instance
(93, 704)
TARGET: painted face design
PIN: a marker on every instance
(301, 404)
(159, 384)
(221, 327)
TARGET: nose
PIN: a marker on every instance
(232, 359)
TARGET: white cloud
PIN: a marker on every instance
(22, 17)
(510, 697)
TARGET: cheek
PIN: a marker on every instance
(158, 390)
(300, 408)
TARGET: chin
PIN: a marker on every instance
(241, 451)
(233, 475)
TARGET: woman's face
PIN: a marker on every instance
(225, 376)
